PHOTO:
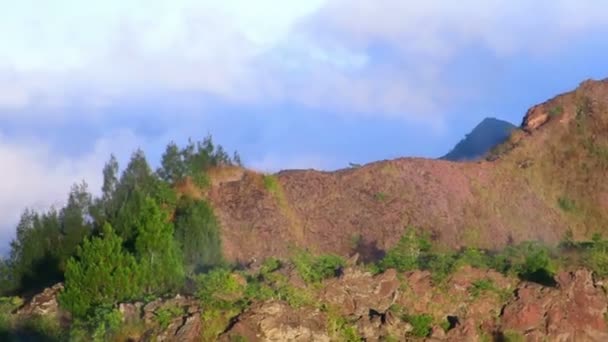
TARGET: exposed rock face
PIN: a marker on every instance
(357, 293)
(43, 304)
(277, 321)
(535, 117)
(574, 311)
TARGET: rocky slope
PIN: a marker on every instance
(385, 307)
(546, 180)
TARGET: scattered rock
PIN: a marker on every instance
(573, 311)
(357, 292)
(277, 321)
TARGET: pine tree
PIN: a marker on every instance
(158, 255)
(75, 220)
(197, 233)
(172, 166)
(101, 274)
(34, 251)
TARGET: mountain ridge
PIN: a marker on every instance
(489, 133)
(486, 204)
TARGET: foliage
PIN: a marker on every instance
(421, 324)
(166, 314)
(159, 258)
(340, 329)
(102, 273)
(405, 255)
(270, 265)
(193, 161)
(596, 257)
(566, 204)
(219, 289)
(271, 184)
(315, 269)
(99, 325)
(34, 257)
(480, 286)
(197, 233)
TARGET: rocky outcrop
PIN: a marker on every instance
(357, 293)
(573, 311)
(43, 304)
(535, 117)
(277, 321)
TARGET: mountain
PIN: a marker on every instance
(485, 136)
(546, 181)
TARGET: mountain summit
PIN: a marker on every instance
(485, 136)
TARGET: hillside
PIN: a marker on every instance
(482, 139)
(544, 182)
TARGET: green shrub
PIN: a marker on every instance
(315, 269)
(166, 314)
(271, 183)
(596, 258)
(555, 111)
(197, 232)
(219, 289)
(421, 324)
(566, 204)
(474, 257)
(340, 329)
(480, 286)
(405, 255)
(270, 265)
(101, 275)
(441, 265)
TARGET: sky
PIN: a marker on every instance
(289, 84)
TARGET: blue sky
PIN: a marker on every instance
(289, 84)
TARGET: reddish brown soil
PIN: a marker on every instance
(484, 204)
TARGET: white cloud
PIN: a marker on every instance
(380, 57)
(36, 177)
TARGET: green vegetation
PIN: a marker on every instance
(198, 235)
(421, 324)
(134, 241)
(380, 196)
(340, 329)
(271, 184)
(315, 269)
(530, 261)
(556, 111)
(101, 274)
(566, 204)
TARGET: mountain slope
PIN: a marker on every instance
(547, 180)
(486, 135)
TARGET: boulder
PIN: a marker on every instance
(277, 321)
(572, 311)
(357, 293)
(43, 304)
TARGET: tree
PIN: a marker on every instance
(110, 178)
(34, 251)
(159, 257)
(102, 273)
(197, 233)
(172, 167)
(76, 221)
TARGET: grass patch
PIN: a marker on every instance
(314, 269)
(421, 324)
(566, 204)
(380, 196)
(556, 111)
(271, 184)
